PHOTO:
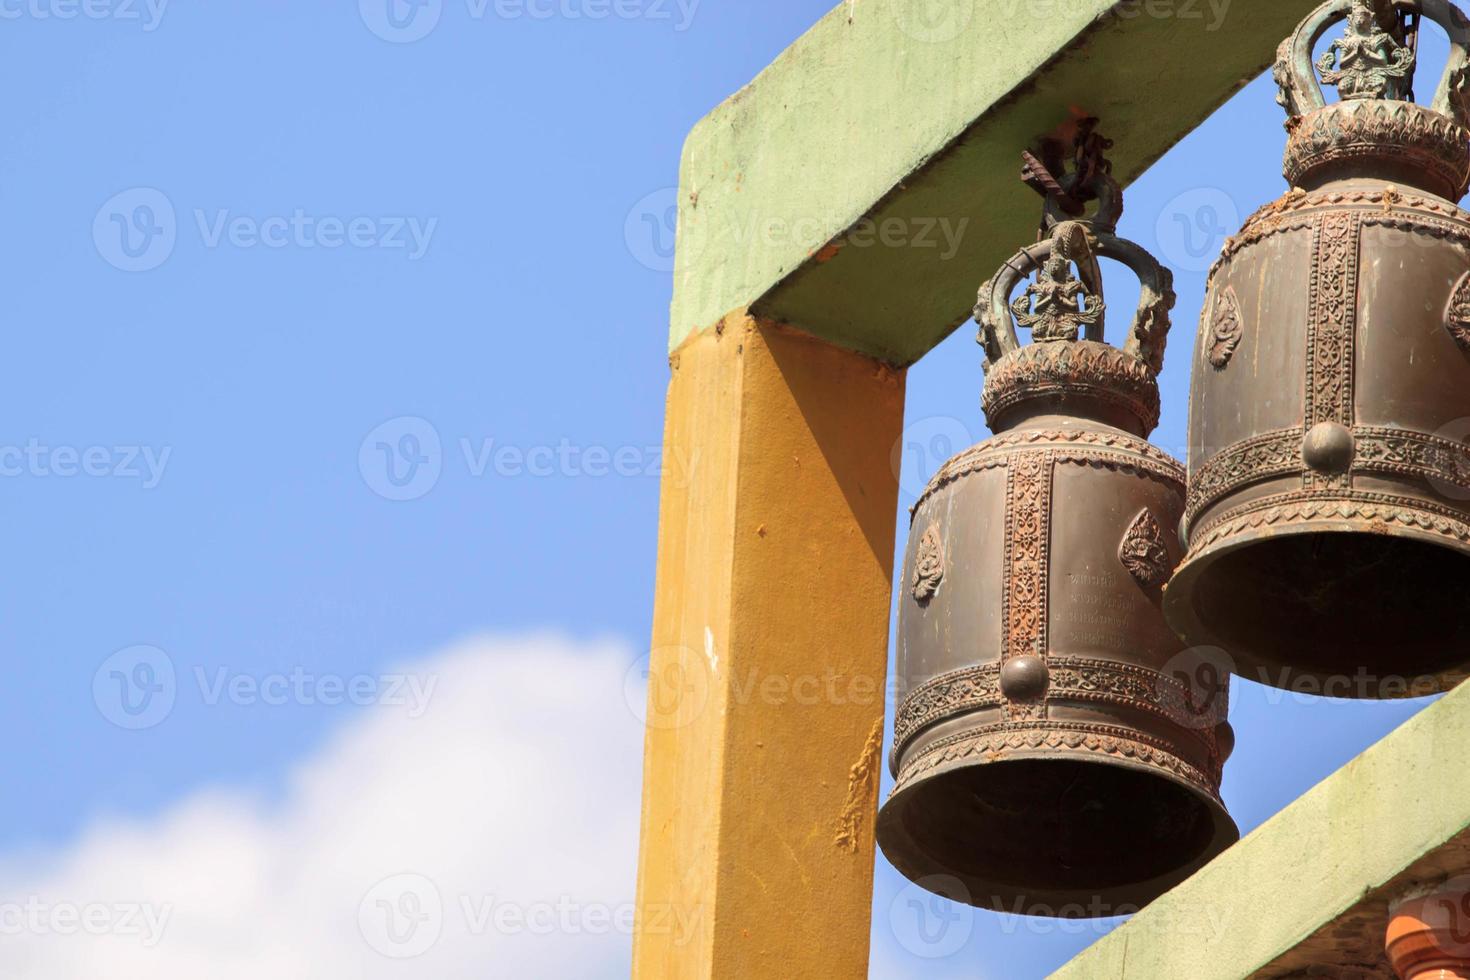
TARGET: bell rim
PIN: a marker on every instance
(911, 861)
(1181, 614)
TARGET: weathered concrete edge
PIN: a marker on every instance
(707, 284)
(859, 125)
(1337, 846)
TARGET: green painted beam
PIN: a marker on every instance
(1311, 886)
(863, 185)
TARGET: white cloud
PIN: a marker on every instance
(513, 800)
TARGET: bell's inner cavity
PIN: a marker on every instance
(1057, 826)
(1354, 614)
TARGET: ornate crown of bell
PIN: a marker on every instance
(1056, 753)
(1328, 519)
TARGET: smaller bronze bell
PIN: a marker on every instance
(1056, 753)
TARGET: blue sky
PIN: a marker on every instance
(255, 253)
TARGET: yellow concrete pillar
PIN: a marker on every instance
(766, 678)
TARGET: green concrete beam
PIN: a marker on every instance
(1311, 886)
(912, 114)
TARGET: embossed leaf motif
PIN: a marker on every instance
(1457, 315)
(1226, 329)
(928, 565)
(1144, 553)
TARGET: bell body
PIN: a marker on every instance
(1328, 518)
(1055, 750)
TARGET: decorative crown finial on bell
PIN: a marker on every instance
(1376, 128)
(1368, 62)
(1056, 752)
(1328, 518)
(1057, 304)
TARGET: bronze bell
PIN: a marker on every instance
(1054, 750)
(1328, 518)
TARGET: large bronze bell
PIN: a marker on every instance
(1055, 752)
(1328, 518)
